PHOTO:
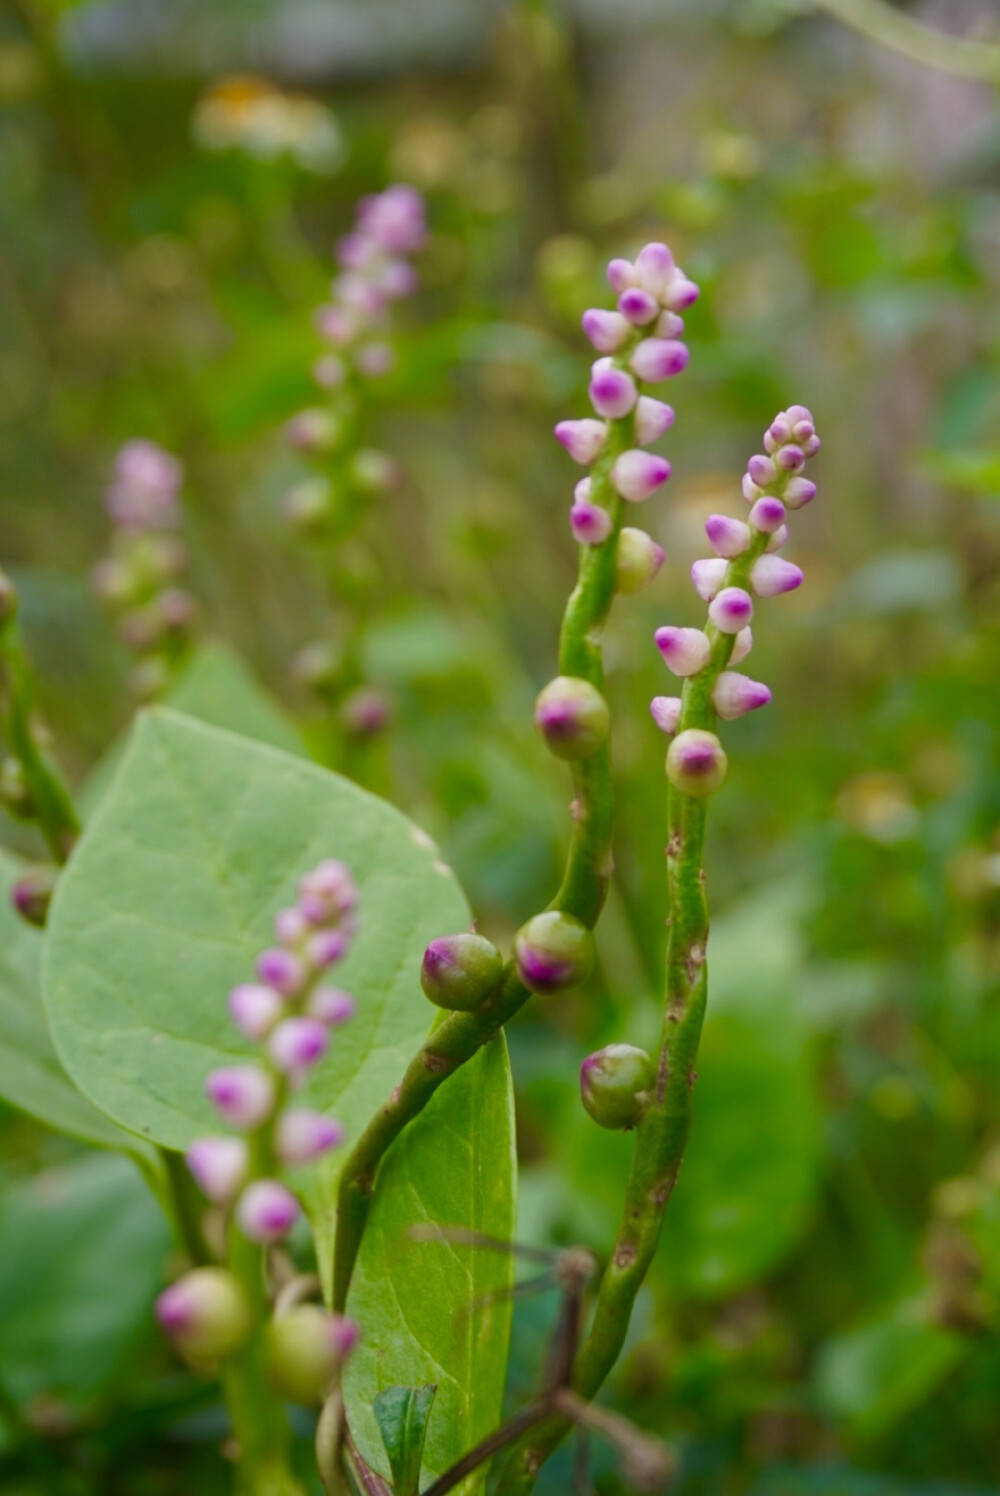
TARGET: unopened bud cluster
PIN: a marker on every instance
(746, 565)
(138, 580)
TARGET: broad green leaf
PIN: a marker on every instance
(83, 1251)
(31, 1077)
(436, 1310)
(402, 1414)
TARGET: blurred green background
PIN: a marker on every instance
(822, 1318)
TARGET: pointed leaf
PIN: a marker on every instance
(402, 1414)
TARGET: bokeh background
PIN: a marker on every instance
(822, 1317)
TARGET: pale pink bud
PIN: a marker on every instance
(666, 712)
(798, 413)
(669, 325)
(761, 470)
(242, 1094)
(394, 218)
(778, 539)
(771, 575)
(681, 293)
(799, 492)
(638, 306)
(267, 1211)
(686, 651)
(811, 446)
(219, 1167)
(732, 610)
(659, 358)
(331, 1005)
(376, 360)
(735, 695)
(742, 645)
(290, 925)
(696, 763)
(637, 474)
(750, 490)
(654, 267)
(298, 1043)
(584, 440)
(767, 515)
(728, 537)
(329, 372)
(581, 492)
(652, 419)
(708, 576)
(803, 430)
(302, 1135)
(337, 324)
(282, 970)
(621, 274)
(359, 293)
(781, 428)
(332, 884)
(770, 445)
(591, 525)
(327, 947)
(607, 331)
(255, 1009)
(397, 278)
(790, 458)
(612, 392)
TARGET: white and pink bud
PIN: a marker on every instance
(290, 925)
(681, 293)
(654, 269)
(302, 1135)
(708, 575)
(669, 325)
(652, 419)
(281, 970)
(742, 645)
(728, 537)
(607, 331)
(621, 274)
(266, 1211)
(655, 359)
(799, 491)
(637, 560)
(637, 306)
(584, 440)
(331, 1005)
(666, 713)
(685, 651)
(734, 695)
(255, 1008)
(327, 947)
(778, 539)
(297, 1044)
(771, 575)
(205, 1315)
(243, 1095)
(612, 392)
(790, 459)
(731, 610)
(767, 514)
(219, 1167)
(696, 763)
(637, 474)
(761, 470)
(330, 372)
(337, 324)
(591, 525)
(376, 360)
(751, 492)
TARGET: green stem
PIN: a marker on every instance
(902, 33)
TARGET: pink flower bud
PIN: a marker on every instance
(798, 413)
(728, 537)
(331, 882)
(803, 430)
(654, 267)
(811, 446)
(584, 440)
(621, 274)
(636, 474)
(255, 1009)
(659, 358)
(732, 610)
(282, 970)
(329, 372)
(355, 251)
(767, 515)
(799, 492)
(337, 324)
(761, 470)
(607, 331)
(669, 325)
(612, 392)
(298, 1043)
(638, 306)
(666, 712)
(267, 1211)
(327, 947)
(331, 1005)
(590, 523)
(696, 763)
(778, 539)
(735, 695)
(637, 560)
(206, 1315)
(742, 645)
(771, 575)
(790, 459)
(686, 651)
(219, 1167)
(781, 428)
(376, 360)
(750, 490)
(681, 293)
(242, 1094)
(290, 925)
(652, 419)
(359, 293)
(394, 219)
(397, 278)
(708, 576)
(302, 1135)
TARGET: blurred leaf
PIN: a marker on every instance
(216, 687)
(903, 582)
(401, 1414)
(976, 471)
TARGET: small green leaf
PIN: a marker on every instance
(402, 1414)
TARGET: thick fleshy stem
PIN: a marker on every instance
(662, 1132)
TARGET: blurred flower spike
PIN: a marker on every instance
(252, 115)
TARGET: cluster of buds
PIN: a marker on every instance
(289, 1011)
(138, 579)
(746, 565)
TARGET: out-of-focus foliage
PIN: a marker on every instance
(823, 1315)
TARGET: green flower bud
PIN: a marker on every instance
(614, 1084)
(553, 951)
(305, 1348)
(637, 560)
(696, 763)
(309, 505)
(15, 795)
(460, 971)
(206, 1316)
(573, 717)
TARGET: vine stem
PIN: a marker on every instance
(911, 38)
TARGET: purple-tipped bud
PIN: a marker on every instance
(302, 1135)
(696, 763)
(572, 716)
(32, 894)
(266, 1211)
(243, 1095)
(767, 514)
(799, 492)
(652, 419)
(811, 446)
(638, 306)
(681, 293)
(735, 695)
(615, 1084)
(584, 440)
(365, 712)
(742, 645)
(761, 470)
(591, 525)
(708, 576)
(396, 279)
(297, 1043)
(771, 575)
(637, 474)
(376, 360)
(330, 890)
(669, 325)
(305, 1348)
(607, 331)
(778, 539)
(654, 268)
(790, 459)
(290, 925)
(461, 971)
(637, 560)
(327, 947)
(686, 651)
(219, 1167)
(750, 490)
(666, 713)
(255, 1009)
(732, 610)
(781, 428)
(331, 1005)
(612, 392)
(338, 324)
(621, 274)
(281, 970)
(394, 218)
(659, 358)
(553, 951)
(205, 1315)
(728, 537)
